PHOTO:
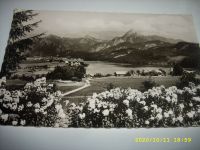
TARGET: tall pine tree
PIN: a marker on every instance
(19, 40)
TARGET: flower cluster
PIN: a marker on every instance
(38, 105)
(147, 72)
(74, 62)
(157, 107)
(35, 105)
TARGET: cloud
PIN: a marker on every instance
(108, 25)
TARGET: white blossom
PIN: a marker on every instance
(166, 115)
(146, 108)
(61, 114)
(96, 110)
(180, 118)
(22, 122)
(168, 99)
(142, 102)
(196, 99)
(66, 102)
(159, 116)
(129, 113)
(94, 95)
(111, 109)
(191, 114)
(58, 107)
(20, 107)
(181, 106)
(72, 106)
(190, 104)
(37, 110)
(37, 105)
(173, 120)
(14, 106)
(29, 104)
(154, 106)
(4, 117)
(14, 123)
(147, 122)
(91, 103)
(44, 99)
(170, 112)
(126, 102)
(105, 112)
(159, 110)
(152, 118)
(41, 110)
(82, 116)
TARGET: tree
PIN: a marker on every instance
(148, 84)
(19, 40)
(177, 70)
(67, 73)
(187, 78)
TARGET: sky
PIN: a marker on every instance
(109, 25)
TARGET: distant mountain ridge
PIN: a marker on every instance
(129, 48)
(132, 37)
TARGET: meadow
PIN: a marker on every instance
(99, 85)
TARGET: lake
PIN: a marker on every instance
(93, 67)
(109, 67)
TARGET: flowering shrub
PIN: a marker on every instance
(36, 105)
(149, 72)
(157, 107)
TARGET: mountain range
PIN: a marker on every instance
(132, 48)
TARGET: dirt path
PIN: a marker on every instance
(87, 84)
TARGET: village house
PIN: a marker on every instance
(120, 73)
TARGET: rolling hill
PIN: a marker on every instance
(130, 48)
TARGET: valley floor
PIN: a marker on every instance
(98, 85)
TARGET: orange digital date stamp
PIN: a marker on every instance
(163, 140)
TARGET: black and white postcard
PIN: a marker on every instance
(100, 70)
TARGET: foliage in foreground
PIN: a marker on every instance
(19, 41)
(157, 107)
(39, 105)
(36, 105)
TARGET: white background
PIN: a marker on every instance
(20, 138)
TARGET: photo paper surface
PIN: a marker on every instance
(100, 70)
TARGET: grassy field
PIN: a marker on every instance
(63, 87)
(66, 88)
(100, 84)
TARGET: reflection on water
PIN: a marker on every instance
(92, 68)
(110, 68)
